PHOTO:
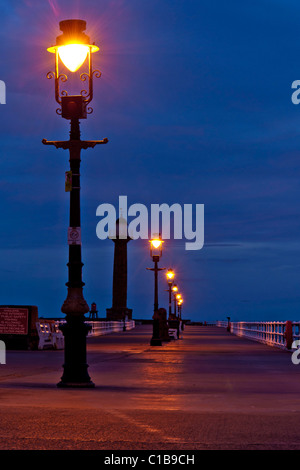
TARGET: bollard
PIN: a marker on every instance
(174, 324)
(163, 325)
(156, 339)
(288, 334)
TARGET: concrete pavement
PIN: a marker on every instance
(209, 390)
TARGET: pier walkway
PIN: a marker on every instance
(208, 390)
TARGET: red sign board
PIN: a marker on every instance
(13, 321)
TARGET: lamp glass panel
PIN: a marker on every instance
(73, 55)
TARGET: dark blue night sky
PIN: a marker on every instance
(195, 98)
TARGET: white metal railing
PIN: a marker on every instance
(100, 328)
(272, 333)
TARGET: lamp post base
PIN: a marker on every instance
(75, 367)
(155, 342)
(62, 384)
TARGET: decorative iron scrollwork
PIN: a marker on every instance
(50, 75)
(84, 93)
(63, 77)
(84, 77)
(97, 73)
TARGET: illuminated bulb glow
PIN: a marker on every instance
(156, 243)
(175, 288)
(170, 274)
(73, 55)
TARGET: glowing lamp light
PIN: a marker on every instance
(73, 46)
(156, 243)
(156, 246)
(170, 275)
(178, 296)
(73, 55)
(174, 288)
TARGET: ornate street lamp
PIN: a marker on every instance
(73, 48)
(174, 290)
(170, 276)
(155, 253)
(180, 302)
(177, 300)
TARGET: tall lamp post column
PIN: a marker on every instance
(73, 48)
(156, 253)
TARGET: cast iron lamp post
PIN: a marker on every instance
(174, 290)
(180, 301)
(155, 253)
(170, 276)
(73, 48)
(178, 297)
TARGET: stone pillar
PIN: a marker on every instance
(119, 310)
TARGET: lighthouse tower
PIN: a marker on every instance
(119, 310)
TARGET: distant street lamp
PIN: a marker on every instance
(73, 47)
(178, 298)
(170, 276)
(175, 290)
(155, 253)
(180, 302)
